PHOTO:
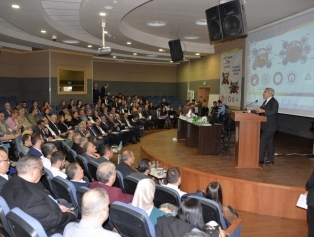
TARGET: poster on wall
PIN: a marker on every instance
(231, 77)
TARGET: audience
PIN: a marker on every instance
(75, 174)
(125, 165)
(76, 144)
(58, 164)
(12, 121)
(26, 142)
(47, 149)
(106, 175)
(106, 153)
(144, 199)
(90, 153)
(4, 167)
(23, 191)
(174, 180)
(31, 117)
(95, 211)
(37, 141)
(143, 167)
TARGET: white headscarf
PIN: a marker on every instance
(144, 195)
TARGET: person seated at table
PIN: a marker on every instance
(144, 199)
(214, 192)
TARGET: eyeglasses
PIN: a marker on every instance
(5, 160)
(42, 172)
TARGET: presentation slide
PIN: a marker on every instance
(281, 56)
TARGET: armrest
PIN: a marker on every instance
(235, 229)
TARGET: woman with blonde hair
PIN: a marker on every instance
(144, 199)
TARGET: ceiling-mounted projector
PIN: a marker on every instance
(103, 50)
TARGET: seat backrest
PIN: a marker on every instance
(24, 225)
(165, 194)
(46, 181)
(72, 156)
(4, 210)
(83, 163)
(79, 194)
(131, 221)
(119, 181)
(130, 184)
(211, 211)
(92, 169)
(64, 189)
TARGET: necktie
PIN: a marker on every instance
(265, 102)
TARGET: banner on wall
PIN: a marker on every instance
(231, 78)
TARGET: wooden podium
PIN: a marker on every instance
(247, 138)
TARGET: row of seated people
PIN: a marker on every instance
(30, 170)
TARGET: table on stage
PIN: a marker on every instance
(206, 138)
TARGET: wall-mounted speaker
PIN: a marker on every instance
(175, 50)
(226, 21)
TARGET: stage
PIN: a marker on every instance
(272, 190)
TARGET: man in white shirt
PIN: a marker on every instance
(47, 149)
(4, 167)
(58, 164)
(174, 180)
(95, 211)
(76, 174)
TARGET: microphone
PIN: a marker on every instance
(249, 104)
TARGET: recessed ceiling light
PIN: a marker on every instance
(102, 14)
(71, 41)
(43, 31)
(134, 53)
(89, 46)
(171, 61)
(197, 54)
(201, 22)
(15, 6)
(160, 50)
(128, 43)
(191, 37)
(156, 23)
(108, 7)
(114, 56)
(105, 32)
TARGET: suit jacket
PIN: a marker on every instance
(36, 129)
(62, 127)
(6, 113)
(146, 113)
(35, 152)
(125, 169)
(54, 128)
(76, 147)
(34, 200)
(90, 158)
(114, 193)
(271, 112)
(310, 188)
(103, 92)
(2, 182)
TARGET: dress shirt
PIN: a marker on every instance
(86, 228)
(5, 176)
(12, 123)
(57, 172)
(46, 162)
(174, 187)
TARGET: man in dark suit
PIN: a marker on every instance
(96, 94)
(269, 109)
(125, 165)
(103, 91)
(53, 126)
(106, 175)
(4, 167)
(75, 174)
(90, 153)
(76, 143)
(23, 191)
(37, 141)
(7, 110)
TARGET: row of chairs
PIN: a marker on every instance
(17, 223)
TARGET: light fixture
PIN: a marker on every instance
(156, 23)
(108, 7)
(105, 32)
(152, 55)
(191, 37)
(128, 43)
(15, 6)
(171, 61)
(197, 54)
(201, 22)
(102, 14)
(43, 31)
(134, 53)
(71, 41)
(161, 50)
(114, 56)
(89, 46)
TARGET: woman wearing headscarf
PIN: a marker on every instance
(144, 199)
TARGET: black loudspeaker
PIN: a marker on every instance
(226, 21)
(175, 50)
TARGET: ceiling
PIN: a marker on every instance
(125, 22)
